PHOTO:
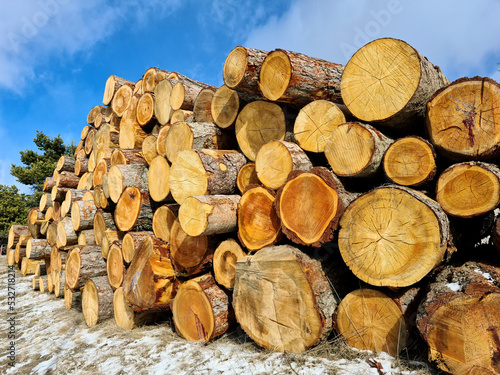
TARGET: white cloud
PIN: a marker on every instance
(461, 36)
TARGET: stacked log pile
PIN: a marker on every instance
(300, 198)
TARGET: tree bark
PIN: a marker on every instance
(133, 211)
(82, 215)
(66, 163)
(48, 184)
(67, 180)
(97, 300)
(185, 92)
(81, 166)
(37, 249)
(86, 237)
(124, 156)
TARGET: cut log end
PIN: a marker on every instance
(235, 67)
(97, 300)
(275, 75)
(225, 257)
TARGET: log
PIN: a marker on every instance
(97, 300)
(130, 244)
(66, 234)
(201, 310)
(113, 83)
(133, 211)
(225, 257)
(89, 141)
(258, 224)
(58, 193)
(107, 137)
(126, 175)
(469, 189)
(276, 159)
(19, 253)
(109, 238)
(58, 281)
(225, 106)
(316, 195)
(283, 300)
(100, 199)
(48, 184)
(149, 148)
(73, 195)
(37, 249)
(149, 281)
(11, 253)
(356, 150)
(41, 269)
(125, 316)
(182, 115)
(34, 214)
(52, 233)
(86, 237)
(66, 163)
(122, 99)
(209, 214)
(152, 77)
(462, 121)
(123, 156)
(15, 232)
(83, 263)
(82, 215)
(189, 255)
(85, 181)
(388, 82)
(102, 221)
(247, 176)
(203, 172)
(186, 91)
(163, 219)
(85, 130)
(202, 110)
(459, 319)
(28, 266)
(72, 299)
(410, 161)
(385, 329)
(145, 109)
(160, 140)
(194, 135)
(45, 202)
(158, 180)
(162, 108)
(259, 122)
(93, 113)
(138, 88)
(67, 180)
(242, 68)
(131, 134)
(115, 267)
(393, 236)
(58, 257)
(50, 283)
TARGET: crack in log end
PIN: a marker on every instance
(132, 196)
(469, 125)
(200, 329)
(495, 357)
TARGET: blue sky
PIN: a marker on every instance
(55, 55)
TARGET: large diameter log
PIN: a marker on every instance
(463, 119)
(123, 156)
(162, 108)
(283, 300)
(149, 281)
(133, 211)
(298, 79)
(241, 69)
(310, 205)
(159, 179)
(276, 159)
(258, 224)
(122, 176)
(115, 267)
(82, 215)
(66, 163)
(259, 122)
(125, 316)
(410, 161)
(38, 249)
(113, 83)
(469, 189)
(247, 176)
(368, 319)
(130, 243)
(356, 150)
(97, 300)
(389, 82)
(15, 232)
(201, 310)
(82, 264)
(459, 319)
(66, 234)
(203, 172)
(209, 214)
(163, 220)
(226, 255)
(393, 236)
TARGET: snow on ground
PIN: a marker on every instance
(53, 340)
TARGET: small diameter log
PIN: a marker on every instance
(52, 233)
(48, 184)
(389, 82)
(202, 110)
(19, 253)
(58, 193)
(133, 211)
(122, 156)
(162, 108)
(113, 83)
(201, 310)
(163, 220)
(145, 109)
(258, 223)
(121, 99)
(463, 120)
(181, 115)
(36, 283)
(82, 215)
(131, 134)
(356, 150)
(158, 179)
(241, 69)
(86, 237)
(11, 254)
(203, 172)
(58, 258)
(469, 189)
(94, 111)
(209, 214)
(138, 88)
(225, 257)
(115, 267)
(185, 92)
(314, 124)
(50, 282)
(130, 244)
(276, 159)
(102, 221)
(149, 148)
(66, 163)
(41, 269)
(45, 202)
(72, 299)
(160, 140)
(459, 319)
(85, 130)
(189, 255)
(83, 263)
(38, 249)
(283, 300)
(100, 170)
(125, 175)
(97, 300)
(28, 266)
(67, 180)
(225, 106)
(74, 195)
(56, 211)
(194, 135)
(410, 161)
(109, 238)
(316, 195)
(89, 141)
(58, 281)
(298, 79)
(393, 236)
(125, 316)
(368, 319)
(66, 234)
(100, 199)
(259, 122)
(247, 176)
(15, 232)
(33, 221)
(152, 77)
(150, 279)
